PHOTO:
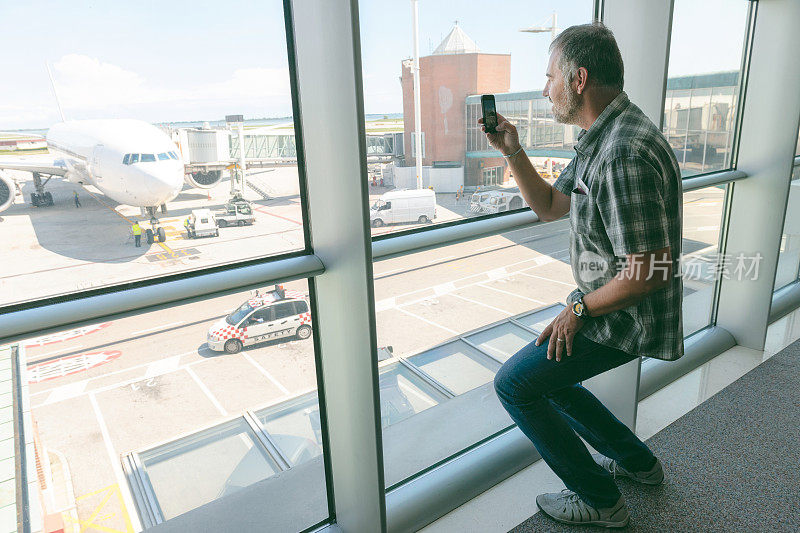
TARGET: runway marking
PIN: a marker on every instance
(263, 209)
(91, 523)
(387, 272)
(385, 304)
(64, 336)
(86, 381)
(171, 254)
(163, 366)
(126, 501)
(207, 392)
(44, 355)
(441, 259)
(72, 364)
(266, 374)
(512, 294)
(426, 320)
(165, 326)
(483, 304)
(546, 279)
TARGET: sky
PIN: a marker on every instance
(176, 60)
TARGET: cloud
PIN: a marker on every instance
(91, 88)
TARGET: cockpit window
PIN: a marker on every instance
(134, 159)
(148, 158)
(163, 157)
(127, 159)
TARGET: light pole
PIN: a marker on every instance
(552, 28)
(417, 110)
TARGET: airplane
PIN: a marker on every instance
(130, 161)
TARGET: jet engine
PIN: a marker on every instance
(8, 189)
(203, 179)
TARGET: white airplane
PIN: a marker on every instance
(130, 161)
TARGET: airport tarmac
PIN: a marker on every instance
(123, 386)
(56, 250)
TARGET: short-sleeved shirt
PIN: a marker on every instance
(633, 204)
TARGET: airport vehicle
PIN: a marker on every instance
(130, 161)
(405, 205)
(266, 316)
(237, 212)
(496, 201)
(202, 224)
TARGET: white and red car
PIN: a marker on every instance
(272, 315)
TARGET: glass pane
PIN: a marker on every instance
(539, 320)
(475, 291)
(162, 385)
(147, 100)
(789, 256)
(457, 366)
(404, 394)
(194, 471)
(295, 427)
(702, 89)
(702, 263)
(460, 58)
(502, 341)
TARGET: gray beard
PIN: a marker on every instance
(571, 108)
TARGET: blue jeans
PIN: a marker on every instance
(545, 400)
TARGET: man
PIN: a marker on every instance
(137, 233)
(77, 200)
(623, 195)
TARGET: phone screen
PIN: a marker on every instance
(489, 113)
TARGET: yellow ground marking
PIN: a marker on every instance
(91, 522)
(167, 249)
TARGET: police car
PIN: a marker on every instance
(273, 315)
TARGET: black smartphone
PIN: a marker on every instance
(489, 113)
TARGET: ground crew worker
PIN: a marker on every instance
(137, 233)
(77, 200)
(186, 225)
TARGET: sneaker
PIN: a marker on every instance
(654, 476)
(568, 508)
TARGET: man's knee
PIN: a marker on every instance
(511, 385)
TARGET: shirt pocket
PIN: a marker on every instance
(583, 216)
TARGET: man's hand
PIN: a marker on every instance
(506, 139)
(564, 326)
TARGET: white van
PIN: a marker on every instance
(403, 206)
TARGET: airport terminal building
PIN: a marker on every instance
(310, 372)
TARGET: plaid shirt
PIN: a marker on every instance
(633, 203)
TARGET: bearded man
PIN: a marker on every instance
(624, 198)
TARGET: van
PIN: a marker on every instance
(403, 206)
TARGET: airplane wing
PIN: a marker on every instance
(53, 167)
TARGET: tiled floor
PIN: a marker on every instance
(512, 501)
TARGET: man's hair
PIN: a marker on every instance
(593, 47)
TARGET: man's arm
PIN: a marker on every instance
(643, 274)
(547, 202)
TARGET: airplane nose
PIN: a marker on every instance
(165, 183)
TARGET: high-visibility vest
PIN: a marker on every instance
(137, 230)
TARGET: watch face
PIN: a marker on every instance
(578, 308)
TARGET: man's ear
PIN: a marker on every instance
(581, 77)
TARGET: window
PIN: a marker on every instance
(170, 105)
(458, 61)
(789, 255)
(300, 308)
(187, 422)
(703, 82)
(470, 307)
(283, 310)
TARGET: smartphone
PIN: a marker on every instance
(489, 113)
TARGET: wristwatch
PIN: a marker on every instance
(579, 308)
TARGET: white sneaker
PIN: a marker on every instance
(654, 476)
(568, 508)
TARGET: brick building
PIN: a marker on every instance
(455, 70)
